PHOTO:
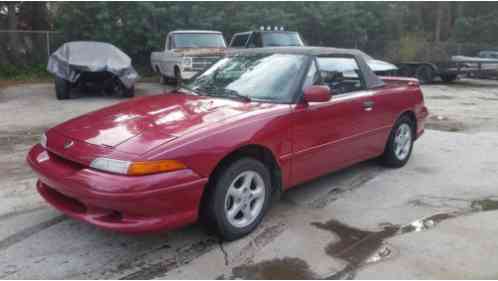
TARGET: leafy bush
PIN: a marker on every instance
(30, 72)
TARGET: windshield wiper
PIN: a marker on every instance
(223, 92)
(234, 93)
(195, 91)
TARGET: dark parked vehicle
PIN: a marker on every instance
(92, 66)
(266, 38)
(281, 38)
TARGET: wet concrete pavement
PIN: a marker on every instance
(433, 218)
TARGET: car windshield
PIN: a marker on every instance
(199, 40)
(283, 39)
(268, 77)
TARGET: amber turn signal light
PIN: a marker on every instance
(152, 167)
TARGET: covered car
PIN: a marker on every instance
(92, 65)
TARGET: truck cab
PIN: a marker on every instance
(186, 52)
(279, 38)
(266, 38)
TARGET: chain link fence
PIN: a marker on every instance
(28, 47)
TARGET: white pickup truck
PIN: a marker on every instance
(187, 52)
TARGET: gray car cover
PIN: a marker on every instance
(74, 57)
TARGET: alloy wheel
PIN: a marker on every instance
(403, 141)
(244, 199)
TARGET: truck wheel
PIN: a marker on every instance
(400, 143)
(128, 93)
(425, 74)
(178, 76)
(239, 198)
(448, 77)
(405, 71)
(62, 89)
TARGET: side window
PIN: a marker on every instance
(239, 41)
(251, 43)
(258, 43)
(341, 74)
(312, 77)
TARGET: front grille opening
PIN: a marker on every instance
(66, 161)
(113, 216)
(67, 202)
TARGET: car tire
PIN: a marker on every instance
(447, 78)
(238, 199)
(178, 77)
(62, 89)
(425, 74)
(400, 143)
(128, 93)
(163, 80)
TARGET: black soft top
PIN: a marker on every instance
(371, 80)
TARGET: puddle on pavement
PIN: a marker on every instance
(356, 246)
(487, 204)
(361, 247)
(277, 269)
(426, 223)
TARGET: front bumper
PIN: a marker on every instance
(422, 116)
(117, 202)
(188, 74)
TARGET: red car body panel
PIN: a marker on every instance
(306, 140)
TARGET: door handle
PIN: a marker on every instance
(368, 105)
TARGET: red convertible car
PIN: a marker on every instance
(223, 145)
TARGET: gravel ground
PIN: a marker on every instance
(434, 218)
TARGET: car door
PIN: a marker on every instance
(327, 135)
(169, 58)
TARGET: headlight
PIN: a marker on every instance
(111, 165)
(136, 168)
(43, 140)
(187, 62)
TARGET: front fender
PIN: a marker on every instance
(203, 151)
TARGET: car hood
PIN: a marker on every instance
(141, 124)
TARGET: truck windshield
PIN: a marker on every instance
(268, 77)
(283, 39)
(199, 40)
